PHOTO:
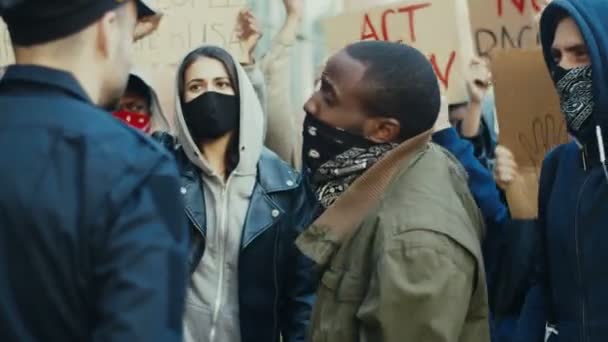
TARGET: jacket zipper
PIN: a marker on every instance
(222, 261)
(275, 308)
(583, 331)
(196, 225)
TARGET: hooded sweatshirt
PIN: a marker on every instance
(158, 120)
(212, 304)
(570, 286)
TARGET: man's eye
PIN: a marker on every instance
(557, 56)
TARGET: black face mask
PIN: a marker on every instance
(211, 115)
(322, 142)
(575, 90)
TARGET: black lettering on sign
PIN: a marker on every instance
(485, 42)
(227, 3)
(171, 5)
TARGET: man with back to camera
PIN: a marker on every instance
(93, 243)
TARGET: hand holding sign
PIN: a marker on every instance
(249, 35)
(505, 169)
(481, 80)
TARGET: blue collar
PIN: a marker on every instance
(44, 77)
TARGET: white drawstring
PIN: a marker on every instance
(600, 145)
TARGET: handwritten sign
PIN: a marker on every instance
(504, 24)
(188, 24)
(528, 112)
(438, 28)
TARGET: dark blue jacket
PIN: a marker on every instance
(508, 246)
(276, 285)
(486, 194)
(90, 246)
(570, 288)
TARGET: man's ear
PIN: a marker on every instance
(383, 130)
(146, 25)
(106, 33)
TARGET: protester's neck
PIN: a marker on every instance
(215, 153)
(82, 73)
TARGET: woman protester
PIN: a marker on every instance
(245, 206)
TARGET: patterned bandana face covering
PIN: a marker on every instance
(335, 158)
(336, 175)
(575, 90)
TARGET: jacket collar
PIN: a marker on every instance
(45, 77)
(273, 176)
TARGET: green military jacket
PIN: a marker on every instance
(413, 270)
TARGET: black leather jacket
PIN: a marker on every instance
(276, 282)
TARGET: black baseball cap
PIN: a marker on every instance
(38, 21)
(144, 8)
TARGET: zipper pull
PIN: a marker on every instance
(600, 146)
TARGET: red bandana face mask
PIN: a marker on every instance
(138, 120)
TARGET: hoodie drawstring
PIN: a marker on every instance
(600, 145)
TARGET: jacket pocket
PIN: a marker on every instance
(339, 297)
(345, 286)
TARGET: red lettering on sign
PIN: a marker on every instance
(443, 75)
(536, 6)
(384, 24)
(520, 5)
(410, 11)
(367, 23)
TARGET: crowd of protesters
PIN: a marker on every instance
(376, 213)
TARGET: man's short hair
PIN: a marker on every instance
(400, 83)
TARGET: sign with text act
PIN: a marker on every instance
(438, 28)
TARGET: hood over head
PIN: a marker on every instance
(590, 16)
(251, 126)
(158, 120)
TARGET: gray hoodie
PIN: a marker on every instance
(158, 120)
(212, 303)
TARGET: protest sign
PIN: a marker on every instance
(187, 24)
(438, 28)
(528, 112)
(504, 24)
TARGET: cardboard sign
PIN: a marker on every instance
(438, 28)
(529, 114)
(504, 24)
(186, 24)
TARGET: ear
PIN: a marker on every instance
(145, 26)
(382, 130)
(107, 33)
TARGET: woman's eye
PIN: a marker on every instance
(194, 87)
(223, 85)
